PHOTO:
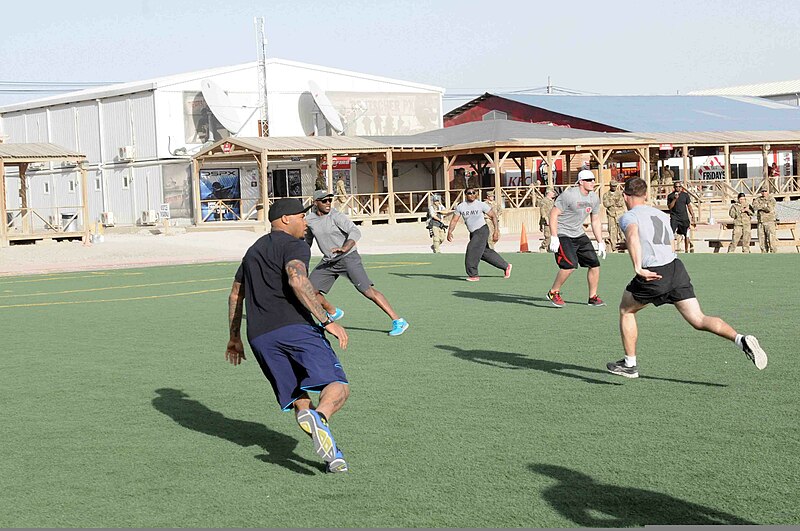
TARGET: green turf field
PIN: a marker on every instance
(493, 410)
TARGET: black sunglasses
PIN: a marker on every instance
(590, 180)
(472, 192)
(328, 200)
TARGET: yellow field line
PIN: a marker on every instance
(50, 277)
(112, 287)
(59, 303)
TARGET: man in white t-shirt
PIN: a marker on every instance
(661, 279)
(478, 249)
(570, 243)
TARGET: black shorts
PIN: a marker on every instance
(679, 226)
(574, 252)
(673, 286)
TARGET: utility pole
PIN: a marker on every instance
(261, 44)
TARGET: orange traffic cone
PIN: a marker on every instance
(523, 241)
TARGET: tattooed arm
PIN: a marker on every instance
(234, 353)
(306, 294)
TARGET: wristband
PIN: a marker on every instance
(327, 322)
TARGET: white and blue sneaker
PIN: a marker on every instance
(398, 327)
(324, 445)
(338, 465)
(338, 314)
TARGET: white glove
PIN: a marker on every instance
(601, 250)
(554, 244)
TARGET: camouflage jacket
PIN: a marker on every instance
(740, 214)
(765, 208)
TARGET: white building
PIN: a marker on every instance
(139, 137)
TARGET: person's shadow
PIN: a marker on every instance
(510, 298)
(590, 504)
(513, 360)
(193, 415)
(430, 275)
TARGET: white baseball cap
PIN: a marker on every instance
(586, 175)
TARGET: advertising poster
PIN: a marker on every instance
(217, 186)
(199, 123)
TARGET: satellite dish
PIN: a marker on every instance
(229, 114)
(307, 110)
(326, 107)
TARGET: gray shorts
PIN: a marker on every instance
(325, 274)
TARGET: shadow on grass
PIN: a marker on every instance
(590, 504)
(509, 298)
(459, 278)
(193, 415)
(512, 360)
(375, 330)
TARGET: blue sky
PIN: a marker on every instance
(611, 47)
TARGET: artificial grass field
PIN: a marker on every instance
(493, 410)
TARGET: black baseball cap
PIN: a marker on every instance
(286, 207)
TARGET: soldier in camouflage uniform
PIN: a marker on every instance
(615, 208)
(740, 213)
(764, 207)
(498, 211)
(545, 206)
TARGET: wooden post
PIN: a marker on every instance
(329, 171)
(448, 163)
(568, 174)
(727, 149)
(765, 167)
(496, 163)
(85, 203)
(390, 185)
(198, 211)
(23, 195)
(263, 177)
(685, 150)
(3, 215)
(550, 179)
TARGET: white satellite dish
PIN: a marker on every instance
(230, 115)
(326, 107)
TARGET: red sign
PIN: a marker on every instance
(227, 147)
(665, 147)
(339, 163)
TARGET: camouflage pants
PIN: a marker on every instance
(545, 237)
(614, 232)
(438, 238)
(740, 235)
(767, 239)
(491, 232)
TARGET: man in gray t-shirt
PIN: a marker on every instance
(660, 279)
(336, 237)
(570, 244)
(473, 210)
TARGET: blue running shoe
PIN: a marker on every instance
(338, 314)
(398, 327)
(338, 465)
(324, 445)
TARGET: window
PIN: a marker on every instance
(46, 188)
(126, 182)
(71, 185)
(98, 184)
(495, 115)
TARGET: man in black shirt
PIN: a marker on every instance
(680, 210)
(282, 312)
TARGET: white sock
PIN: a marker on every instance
(630, 361)
(738, 341)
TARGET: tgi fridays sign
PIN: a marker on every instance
(713, 169)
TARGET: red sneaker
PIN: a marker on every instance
(596, 301)
(555, 299)
(473, 279)
(508, 271)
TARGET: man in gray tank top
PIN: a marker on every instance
(473, 210)
(660, 279)
(570, 244)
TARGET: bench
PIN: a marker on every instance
(719, 243)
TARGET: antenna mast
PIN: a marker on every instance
(261, 45)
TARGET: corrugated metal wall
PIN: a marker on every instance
(116, 127)
(88, 140)
(143, 110)
(14, 127)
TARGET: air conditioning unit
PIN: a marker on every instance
(37, 166)
(149, 217)
(107, 219)
(69, 164)
(127, 152)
